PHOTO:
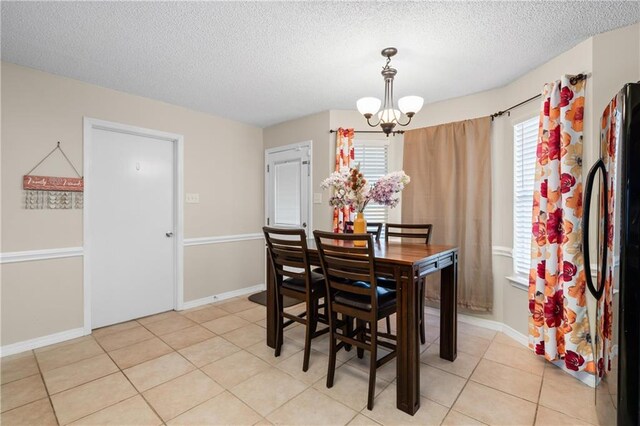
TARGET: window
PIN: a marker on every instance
(373, 157)
(525, 138)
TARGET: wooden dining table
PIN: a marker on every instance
(407, 263)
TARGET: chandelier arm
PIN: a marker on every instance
(404, 124)
(373, 125)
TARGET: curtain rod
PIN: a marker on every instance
(400, 132)
(572, 80)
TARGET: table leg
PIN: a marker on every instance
(408, 353)
(272, 313)
(448, 311)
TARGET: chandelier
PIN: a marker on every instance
(389, 116)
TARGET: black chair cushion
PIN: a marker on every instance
(298, 284)
(387, 282)
(386, 297)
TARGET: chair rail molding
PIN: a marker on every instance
(222, 239)
(502, 251)
(44, 254)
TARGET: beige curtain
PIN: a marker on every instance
(450, 170)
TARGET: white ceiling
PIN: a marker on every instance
(267, 62)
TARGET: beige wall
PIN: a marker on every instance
(39, 109)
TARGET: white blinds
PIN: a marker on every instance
(373, 158)
(525, 138)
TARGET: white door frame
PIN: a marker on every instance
(90, 124)
(294, 146)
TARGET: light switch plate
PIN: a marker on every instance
(317, 198)
(192, 198)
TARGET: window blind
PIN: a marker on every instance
(525, 138)
(373, 158)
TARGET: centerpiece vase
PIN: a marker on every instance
(360, 227)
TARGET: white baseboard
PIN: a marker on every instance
(222, 296)
(39, 342)
(490, 324)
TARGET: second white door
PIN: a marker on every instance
(131, 226)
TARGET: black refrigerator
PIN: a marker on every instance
(616, 286)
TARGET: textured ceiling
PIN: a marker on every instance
(267, 62)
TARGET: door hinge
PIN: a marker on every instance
(267, 221)
(308, 163)
(267, 168)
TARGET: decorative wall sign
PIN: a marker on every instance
(52, 192)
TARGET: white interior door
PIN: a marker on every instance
(288, 178)
(130, 226)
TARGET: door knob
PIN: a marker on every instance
(169, 234)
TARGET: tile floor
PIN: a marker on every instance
(210, 365)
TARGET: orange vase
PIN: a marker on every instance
(359, 227)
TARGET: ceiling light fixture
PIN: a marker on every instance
(389, 116)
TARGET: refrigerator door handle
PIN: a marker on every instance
(598, 166)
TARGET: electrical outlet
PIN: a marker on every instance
(193, 198)
(317, 198)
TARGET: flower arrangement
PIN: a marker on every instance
(350, 188)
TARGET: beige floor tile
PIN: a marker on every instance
(64, 343)
(386, 412)
(187, 337)
(209, 351)
(176, 396)
(36, 413)
(262, 323)
(494, 407)
(296, 332)
(80, 372)
(361, 420)
(21, 392)
(455, 418)
(235, 369)
(132, 411)
(246, 336)
(169, 325)
(473, 345)
(350, 387)
(86, 399)
(463, 365)
(506, 340)
(521, 358)
(548, 417)
(474, 330)
(440, 386)
(387, 372)
(19, 366)
(268, 390)
(264, 352)
(225, 324)
(236, 305)
(432, 334)
(103, 331)
(254, 314)
(562, 392)
(508, 379)
(312, 408)
(321, 344)
(122, 339)
(158, 317)
(205, 314)
(152, 373)
(68, 354)
(140, 352)
(318, 363)
(224, 409)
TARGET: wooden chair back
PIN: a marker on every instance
(373, 228)
(418, 231)
(288, 254)
(343, 263)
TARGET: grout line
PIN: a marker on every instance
(46, 388)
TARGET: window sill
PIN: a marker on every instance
(519, 282)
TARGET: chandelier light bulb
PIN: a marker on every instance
(410, 105)
(368, 106)
(389, 115)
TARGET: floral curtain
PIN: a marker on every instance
(344, 157)
(558, 321)
(609, 135)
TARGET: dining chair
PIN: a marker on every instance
(289, 259)
(352, 292)
(373, 228)
(411, 231)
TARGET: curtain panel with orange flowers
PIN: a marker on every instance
(558, 320)
(344, 158)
